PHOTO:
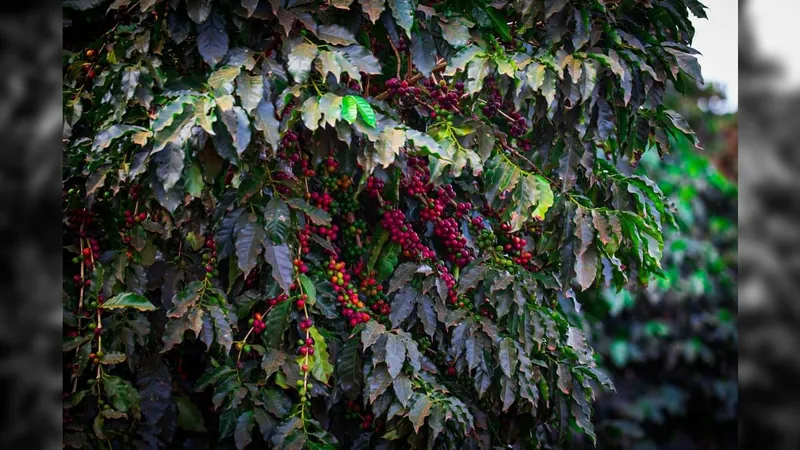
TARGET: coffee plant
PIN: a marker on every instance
(355, 224)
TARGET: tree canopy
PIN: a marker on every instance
(356, 224)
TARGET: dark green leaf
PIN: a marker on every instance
(402, 389)
(212, 39)
(185, 299)
(395, 354)
(420, 411)
(242, 436)
(249, 240)
(128, 300)
(189, 416)
(403, 12)
(317, 216)
(500, 23)
(224, 334)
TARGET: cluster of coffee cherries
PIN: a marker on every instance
(444, 97)
(257, 322)
(396, 87)
(353, 413)
(282, 188)
(210, 258)
(433, 210)
(375, 297)
(353, 236)
(514, 245)
(305, 167)
(494, 101)
(300, 266)
(277, 299)
(322, 201)
(416, 183)
(353, 309)
(305, 347)
(517, 124)
(449, 281)
(374, 186)
(88, 255)
(336, 183)
(455, 244)
(131, 219)
(400, 232)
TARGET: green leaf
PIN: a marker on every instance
(311, 113)
(193, 180)
(104, 138)
(586, 257)
(372, 331)
(402, 305)
(185, 299)
(122, 395)
(349, 109)
(318, 216)
(420, 411)
(299, 62)
(212, 39)
(277, 218)
(222, 326)
(276, 323)
(198, 10)
(378, 381)
(280, 258)
(373, 8)
(479, 68)
(250, 89)
(553, 7)
(244, 429)
(461, 59)
(388, 260)
(128, 300)
(237, 123)
(321, 367)
(423, 52)
(73, 343)
(272, 362)
(456, 31)
(582, 411)
(395, 354)
(248, 242)
(169, 165)
(499, 22)
(189, 416)
(336, 35)
(265, 121)
(403, 389)
(403, 12)
(113, 358)
(508, 357)
(331, 107)
(364, 109)
(308, 289)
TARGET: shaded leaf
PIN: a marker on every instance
(128, 300)
(280, 258)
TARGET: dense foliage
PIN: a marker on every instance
(355, 224)
(672, 351)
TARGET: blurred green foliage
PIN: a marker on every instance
(672, 349)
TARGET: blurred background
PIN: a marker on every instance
(672, 350)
